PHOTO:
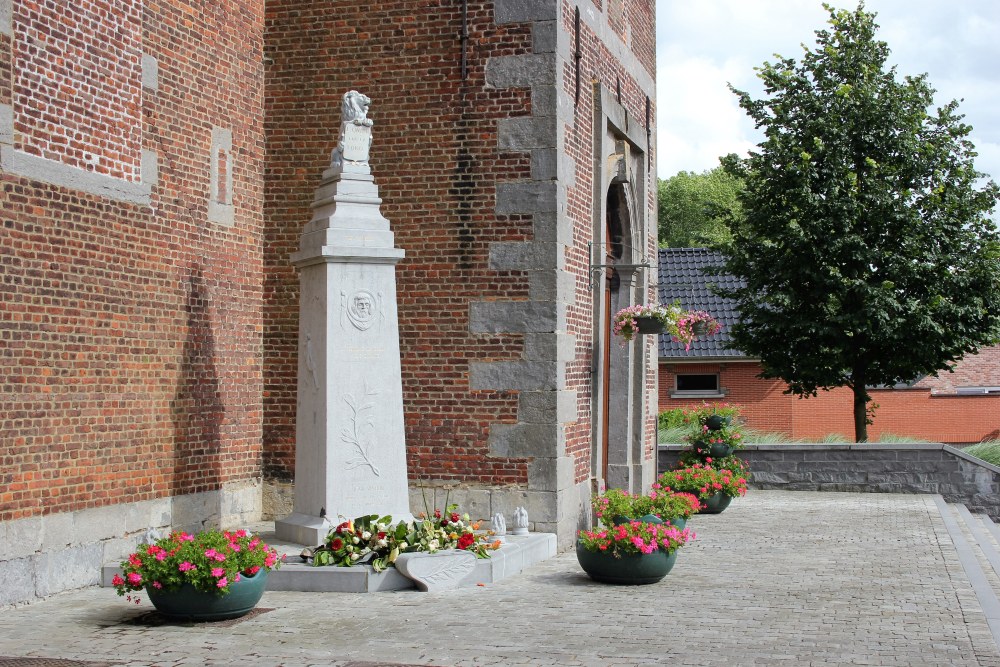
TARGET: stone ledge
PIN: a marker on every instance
(862, 467)
(512, 558)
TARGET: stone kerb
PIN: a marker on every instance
(869, 467)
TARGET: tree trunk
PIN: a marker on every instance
(861, 398)
(860, 414)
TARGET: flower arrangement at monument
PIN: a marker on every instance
(377, 541)
(683, 326)
(211, 561)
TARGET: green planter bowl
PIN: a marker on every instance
(629, 570)
(678, 522)
(648, 518)
(189, 603)
(715, 422)
(649, 325)
(720, 450)
(715, 504)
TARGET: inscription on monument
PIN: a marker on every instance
(357, 141)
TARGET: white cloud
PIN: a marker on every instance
(702, 46)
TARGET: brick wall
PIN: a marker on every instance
(78, 84)
(494, 282)
(436, 160)
(916, 413)
(131, 337)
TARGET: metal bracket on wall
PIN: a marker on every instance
(594, 270)
(577, 54)
(464, 36)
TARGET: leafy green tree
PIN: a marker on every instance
(694, 209)
(866, 245)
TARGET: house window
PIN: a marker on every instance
(697, 384)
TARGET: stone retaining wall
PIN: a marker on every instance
(876, 468)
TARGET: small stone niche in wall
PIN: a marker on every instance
(220, 197)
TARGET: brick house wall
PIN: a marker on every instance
(978, 370)
(131, 169)
(917, 412)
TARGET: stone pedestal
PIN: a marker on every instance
(350, 454)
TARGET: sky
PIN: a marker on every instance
(702, 45)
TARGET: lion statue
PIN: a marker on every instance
(354, 111)
(355, 108)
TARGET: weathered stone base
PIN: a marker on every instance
(517, 554)
(41, 556)
(278, 499)
(870, 467)
(548, 512)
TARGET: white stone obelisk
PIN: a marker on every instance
(350, 451)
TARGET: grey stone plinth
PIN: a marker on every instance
(17, 581)
(302, 529)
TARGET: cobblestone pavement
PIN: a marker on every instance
(780, 578)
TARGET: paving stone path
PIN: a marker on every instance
(780, 578)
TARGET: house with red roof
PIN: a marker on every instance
(960, 406)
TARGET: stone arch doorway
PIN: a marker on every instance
(618, 423)
(623, 233)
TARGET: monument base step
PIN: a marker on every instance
(517, 554)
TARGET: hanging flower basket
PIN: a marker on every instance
(649, 325)
(682, 326)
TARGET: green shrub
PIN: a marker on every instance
(988, 451)
(669, 419)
